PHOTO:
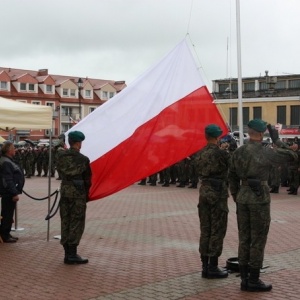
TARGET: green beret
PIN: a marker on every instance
(258, 125)
(76, 136)
(213, 130)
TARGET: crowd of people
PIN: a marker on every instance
(249, 173)
(183, 174)
(73, 170)
(34, 160)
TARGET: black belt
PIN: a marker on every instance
(70, 182)
(67, 182)
(245, 182)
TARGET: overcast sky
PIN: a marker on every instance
(120, 39)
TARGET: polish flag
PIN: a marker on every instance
(72, 120)
(156, 121)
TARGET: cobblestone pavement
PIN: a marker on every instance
(142, 243)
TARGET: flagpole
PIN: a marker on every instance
(239, 64)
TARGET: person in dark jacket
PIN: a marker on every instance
(11, 186)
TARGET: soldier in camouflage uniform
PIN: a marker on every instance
(248, 178)
(59, 150)
(212, 168)
(39, 161)
(293, 171)
(29, 160)
(74, 169)
(45, 161)
(182, 173)
(192, 170)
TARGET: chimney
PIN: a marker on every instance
(42, 72)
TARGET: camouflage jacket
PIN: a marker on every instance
(254, 161)
(212, 162)
(74, 169)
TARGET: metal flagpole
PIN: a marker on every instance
(239, 64)
(49, 182)
(16, 228)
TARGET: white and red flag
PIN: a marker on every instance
(156, 121)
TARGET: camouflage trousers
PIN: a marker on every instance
(253, 224)
(72, 214)
(213, 215)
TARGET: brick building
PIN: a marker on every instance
(275, 99)
(71, 98)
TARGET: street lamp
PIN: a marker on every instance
(79, 84)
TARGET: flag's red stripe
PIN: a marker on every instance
(177, 132)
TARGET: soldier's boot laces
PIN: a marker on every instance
(214, 271)
(73, 258)
(255, 284)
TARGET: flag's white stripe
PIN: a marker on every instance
(173, 78)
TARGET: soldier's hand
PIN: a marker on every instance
(274, 135)
(15, 198)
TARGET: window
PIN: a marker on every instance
(65, 92)
(104, 95)
(223, 87)
(88, 93)
(233, 117)
(51, 104)
(31, 87)
(65, 127)
(92, 109)
(263, 86)
(280, 85)
(294, 84)
(36, 102)
(3, 85)
(295, 114)
(73, 92)
(245, 115)
(49, 88)
(249, 86)
(257, 112)
(23, 86)
(281, 115)
(66, 111)
(111, 94)
(234, 87)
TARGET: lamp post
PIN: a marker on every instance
(80, 84)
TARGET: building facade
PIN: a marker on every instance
(71, 98)
(275, 99)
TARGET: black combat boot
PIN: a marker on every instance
(244, 277)
(274, 189)
(255, 284)
(193, 185)
(166, 183)
(73, 258)
(181, 184)
(66, 248)
(292, 191)
(204, 260)
(142, 182)
(214, 271)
